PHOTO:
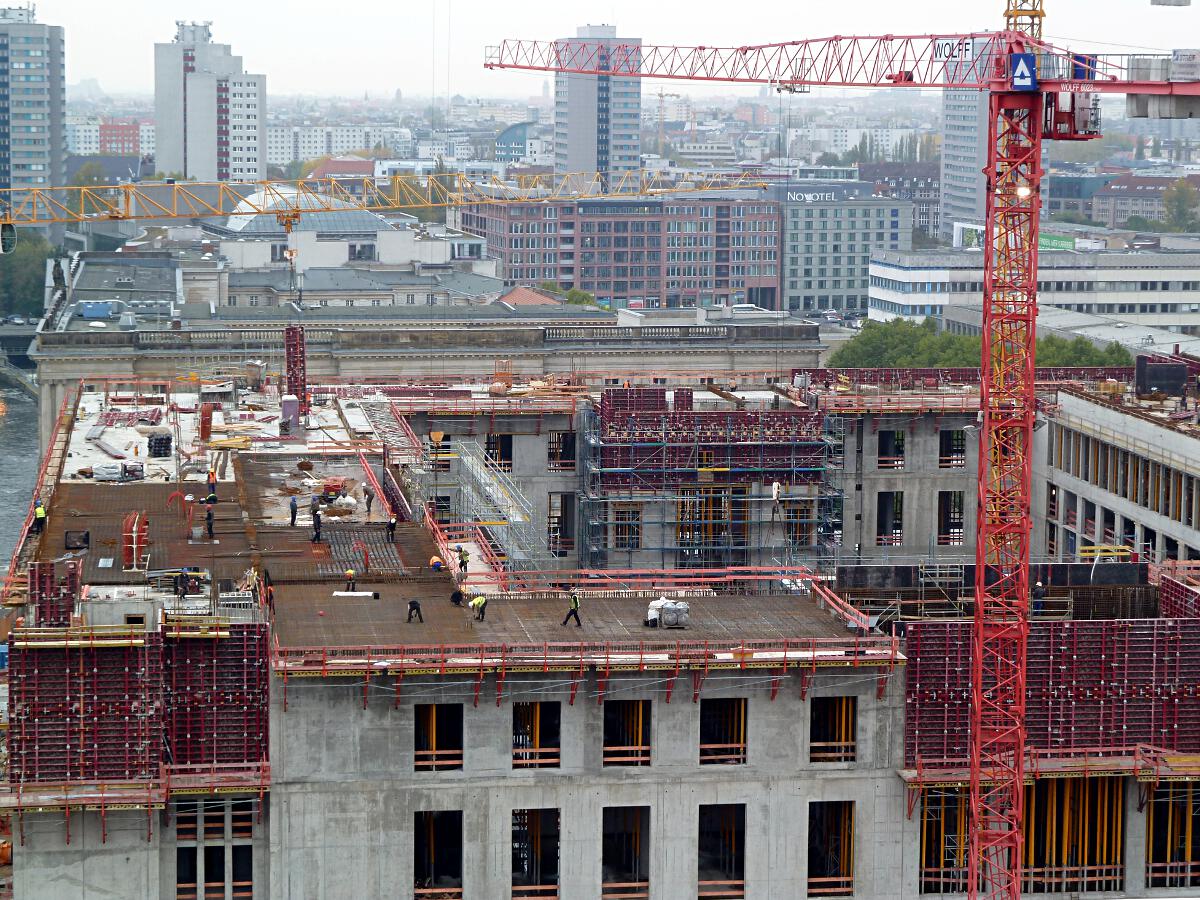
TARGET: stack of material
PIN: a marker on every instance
(159, 446)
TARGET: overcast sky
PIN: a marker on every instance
(430, 46)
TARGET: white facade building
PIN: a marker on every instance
(210, 116)
(83, 135)
(1160, 290)
(301, 143)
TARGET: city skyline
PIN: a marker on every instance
(439, 52)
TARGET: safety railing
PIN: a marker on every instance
(952, 461)
(536, 757)
(721, 890)
(891, 462)
(955, 538)
(831, 886)
(440, 893)
(632, 755)
(438, 760)
(893, 539)
(832, 751)
(535, 892)
(872, 650)
(847, 611)
(723, 754)
(1175, 874)
(626, 890)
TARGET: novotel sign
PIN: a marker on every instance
(810, 196)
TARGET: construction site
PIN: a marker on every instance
(766, 691)
(625, 633)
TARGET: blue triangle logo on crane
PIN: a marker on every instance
(1024, 72)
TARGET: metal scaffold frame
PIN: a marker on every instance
(489, 499)
(701, 483)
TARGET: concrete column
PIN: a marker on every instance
(1135, 842)
(675, 728)
(674, 832)
(580, 837)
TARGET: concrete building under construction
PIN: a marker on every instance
(237, 668)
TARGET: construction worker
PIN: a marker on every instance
(39, 517)
(463, 558)
(391, 529)
(208, 521)
(436, 564)
(414, 609)
(456, 597)
(210, 500)
(316, 538)
(314, 505)
(479, 605)
(1039, 598)
(369, 495)
(293, 508)
(351, 585)
(573, 612)
(212, 482)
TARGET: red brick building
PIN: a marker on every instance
(636, 252)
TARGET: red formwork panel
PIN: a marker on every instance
(1094, 684)
(216, 691)
(1177, 600)
(84, 712)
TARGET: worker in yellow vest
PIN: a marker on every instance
(39, 517)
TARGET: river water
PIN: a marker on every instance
(20, 457)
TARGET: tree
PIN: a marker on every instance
(904, 344)
(829, 159)
(1071, 217)
(1139, 152)
(23, 274)
(89, 175)
(311, 166)
(1141, 223)
(580, 297)
(1180, 201)
(550, 287)
(1156, 149)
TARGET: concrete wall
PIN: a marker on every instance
(131, 857)
(921, 478)
(344, 791)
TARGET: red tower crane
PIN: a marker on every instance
(1037, 92)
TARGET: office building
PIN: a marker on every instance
(210, 115)
(1158, 289)
(597, 119)
(33, 97)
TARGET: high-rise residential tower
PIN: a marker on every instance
(33, 97)
(210, 116)
(597, 118)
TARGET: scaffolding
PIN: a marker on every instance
(294, 363)
(669, 485)
(489, 499)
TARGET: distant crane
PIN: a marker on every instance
(1037, 92)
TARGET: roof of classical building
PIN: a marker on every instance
(256, 216)
(346, 278)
